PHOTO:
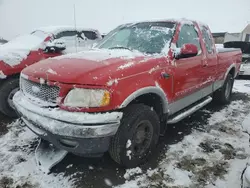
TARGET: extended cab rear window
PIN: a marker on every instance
(207, 38)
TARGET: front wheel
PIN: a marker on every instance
(224, 94)
(7, 91)
(136, 137)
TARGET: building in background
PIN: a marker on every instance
(222, 37)
(219, 37)
(243, 36)
(246, 33)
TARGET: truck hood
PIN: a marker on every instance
(93, 67)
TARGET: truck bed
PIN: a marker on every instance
(222, 50)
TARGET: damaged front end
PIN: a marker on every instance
(61, 131)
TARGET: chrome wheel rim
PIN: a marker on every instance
(10, 97)
(228, 89)
(142, 138)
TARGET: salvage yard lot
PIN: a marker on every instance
(209, 149)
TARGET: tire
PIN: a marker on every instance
(7, 91)
(223, 95)
(136, 137)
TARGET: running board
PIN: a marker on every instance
(190, 111)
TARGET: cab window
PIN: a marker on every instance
(207, 40)
(188, 35)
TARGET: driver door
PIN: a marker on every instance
(188, 71)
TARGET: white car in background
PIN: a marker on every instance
(245, 66)
(28, 49)
(75, 39)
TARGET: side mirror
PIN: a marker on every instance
(56, 46)
(186, 51)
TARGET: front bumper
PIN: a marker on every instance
(76, 132)
(244, 69)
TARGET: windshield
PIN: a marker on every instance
(146, 37)
(41, 34)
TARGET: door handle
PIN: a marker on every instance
(165, 75)
(205, 65)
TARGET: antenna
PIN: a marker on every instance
(75, 26)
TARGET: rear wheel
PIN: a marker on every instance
(223, 95)
(137, 136)
(7, 91)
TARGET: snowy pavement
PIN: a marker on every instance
(210, 149)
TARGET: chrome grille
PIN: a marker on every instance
(40, 91)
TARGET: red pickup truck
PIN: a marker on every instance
(28, 49)
(120, 96)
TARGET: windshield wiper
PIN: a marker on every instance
(120, 47)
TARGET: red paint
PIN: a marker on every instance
(33, 57)
(187, 75)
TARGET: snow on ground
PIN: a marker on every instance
(18, 166)
(212, 157)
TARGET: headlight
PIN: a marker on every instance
(87, 98)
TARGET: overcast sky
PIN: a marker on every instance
(21, 16)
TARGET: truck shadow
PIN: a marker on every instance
(4, 121)
(243, 77)
(91, 172)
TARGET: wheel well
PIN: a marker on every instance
(152, 100)
(232, 71)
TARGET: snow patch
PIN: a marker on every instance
(69, 166)
(212, 157)
(91, 168)
(57, 29)
(13, 52)
(242, 86)
(127, 65)
(128, 144)
(2, 75)
(108, 182)
(18, 161)
(21, 102)
(101, 54)
(246, 124)
(51, 71)
(111, 82)
(129, 152)
(153, 69)
(131, 172)
(42, 81)
(247, 177)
